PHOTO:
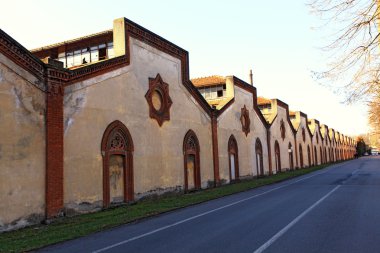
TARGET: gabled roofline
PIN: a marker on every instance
(247, 87)
(65, 77)
(23, 58)
(286, 107)
(307, 125)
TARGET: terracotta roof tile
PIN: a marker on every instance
(208, 81)
(291, 113)
(263, 101)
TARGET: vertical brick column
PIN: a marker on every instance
(54, 149)
(269, 152)
(296, 152)
(215, 148)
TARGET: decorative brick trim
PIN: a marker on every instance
(269, 152)
(259, 164)
(241, 84)
(233, 150)
(54, 148)
(118, 141)
(157, 85)
(22, 57)
(282, 130)
(191, 147)
(296, 150)
(277, 152)
(245, 120)
(215, 147)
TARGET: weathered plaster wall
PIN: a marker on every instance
(275, 134)
(22, 146)
(229, 123)
(304, 144)
(316, 143)
(90, 106)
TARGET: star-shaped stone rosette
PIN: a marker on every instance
(163, 113)
(245, 120)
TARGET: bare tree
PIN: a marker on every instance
(374, 115)
(353, 68)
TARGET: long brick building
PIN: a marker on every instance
(112, 117)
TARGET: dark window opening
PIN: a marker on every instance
(102, 53)
(220, 93)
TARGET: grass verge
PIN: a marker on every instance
(73, 227)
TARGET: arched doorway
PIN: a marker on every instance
(117, 152)
(233, 156)
(301, 155)
(191, 161)
(290, 151)
(321, 154)
(308, 156)
(326, 158)
(259, 158)
(277, 156)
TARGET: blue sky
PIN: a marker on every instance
(274, 38)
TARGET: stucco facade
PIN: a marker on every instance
(22, 145)
(303, 138)
(112, 117)
(119, 95)
(250, 162)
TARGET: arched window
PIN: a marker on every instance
(301, 155)
(191, 161)
(233, 156)
(282, 129)
(308, 156)
(259, 158)
(315, 156)
(321, 154)
(117, 153)
(303, 134)
(290, 151)
(277, 156)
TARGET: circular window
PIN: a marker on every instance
(157, 100)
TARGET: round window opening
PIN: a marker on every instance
(157, 100)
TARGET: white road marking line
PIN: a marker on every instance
(354, 172)
(293, 222)
(201, 214)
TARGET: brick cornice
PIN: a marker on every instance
(35, 66)
(22, 57)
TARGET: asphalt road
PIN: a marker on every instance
(332, 210)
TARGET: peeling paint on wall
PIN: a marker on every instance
(73, 103)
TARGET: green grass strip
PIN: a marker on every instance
(67, 228)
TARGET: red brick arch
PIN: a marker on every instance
(118, 141)
(191, 148)
(233, 150)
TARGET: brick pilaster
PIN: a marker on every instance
(54, 149)
(215, 148)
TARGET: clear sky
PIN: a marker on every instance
(274, 38)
